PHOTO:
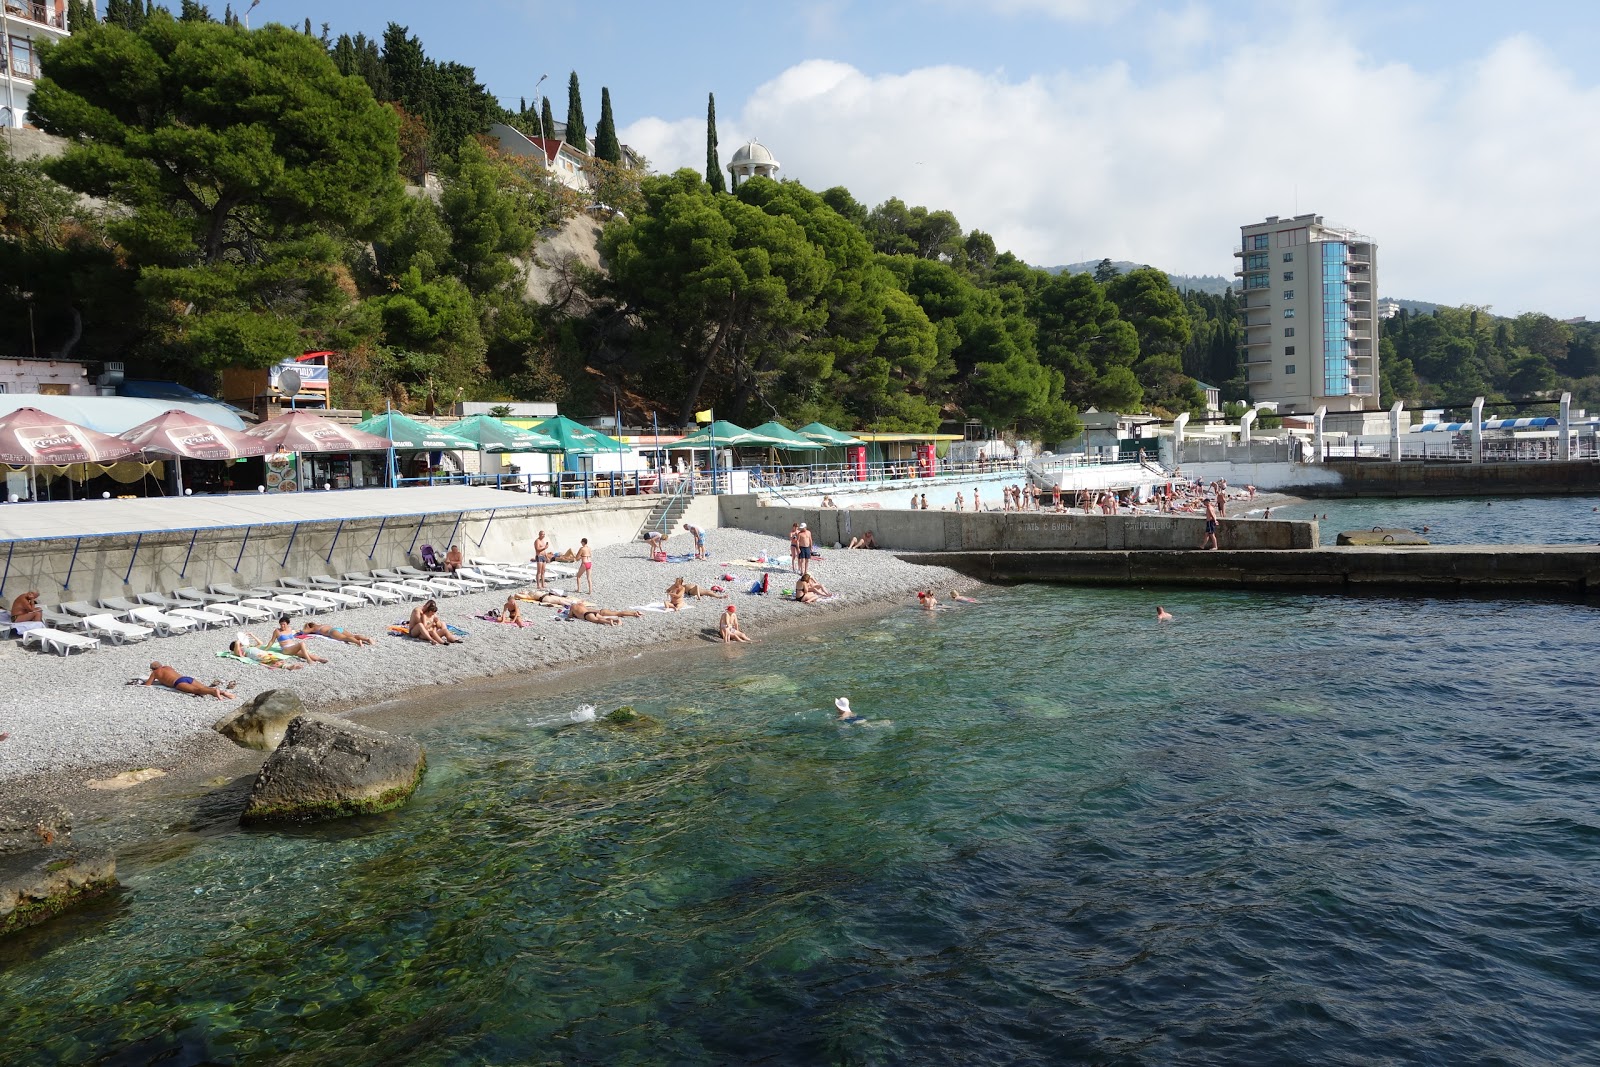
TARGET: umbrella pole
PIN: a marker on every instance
(178, 462)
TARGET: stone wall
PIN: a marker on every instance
(953, 531)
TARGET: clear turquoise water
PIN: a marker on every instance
(1276, 830)
(1526, 520)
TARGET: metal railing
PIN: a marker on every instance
(1495, 450)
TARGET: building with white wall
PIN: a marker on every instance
(1307, 308)
(23, 25)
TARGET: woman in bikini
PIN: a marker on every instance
(338, 633)
(286, 640)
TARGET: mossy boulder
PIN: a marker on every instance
(261, 721)
(327, 768)
(38, 885)
(625, 718)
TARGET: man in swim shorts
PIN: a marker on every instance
(699, 536)
(160, 674)
(1210, 539)
(541, 556)
(803, 542)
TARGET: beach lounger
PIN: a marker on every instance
(328, 581)
(81, 608)
(273, 606)
(434, 589)
(360, 577)
(335, 597)
(164, 624)
(60, 620)
(372, 594)
(215, 596)
(236, 612)
(162, 601)
(500, 581)
(223, 589)
(404, 592)
(457, 582)
(115, 631)
(59, 641)
(120, 605)
(297, 583)
(203, 618)
(304, 604)
(518, 574)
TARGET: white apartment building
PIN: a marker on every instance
(23, 24)
(1307, 305)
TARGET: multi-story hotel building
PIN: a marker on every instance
(23, 24)
(1307, 307)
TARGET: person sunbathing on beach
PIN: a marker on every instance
(426, 625)
(512, 612)
(160, 674)
(286, 640)
(808, 590)
(26, 608)
(581, 609)
(264, 656)
(866, 540)
(728, 626)
(338, 633)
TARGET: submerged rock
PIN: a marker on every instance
(37, 885)
(625, 718)
(260, 722)
(1382, 536)
(127, 779)
(33, 824)
(328, 768)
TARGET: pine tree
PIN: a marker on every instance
(577, 130)
(713, 164)
(194, 11)
(547, 120)
(605, 134)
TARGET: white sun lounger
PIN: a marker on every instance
(59, 641)
(164, 624)
(488, 579)
(303, 604)
(161, 600)
(215, 596)
(272, 606)
(81, 608)
(223, 590)
(236, 612)
(336, 597)
(370, 594)
(205, 618)
(517, 574)
(117, 632)
(405, 591)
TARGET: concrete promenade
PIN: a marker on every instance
(1508, 570)
(86, 550)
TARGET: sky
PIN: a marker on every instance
(1463, 136)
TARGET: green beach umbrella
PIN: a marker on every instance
(796, 442)
(826, 435)
(489, 434)
(722, 434)
(577, 438)
(406, 432)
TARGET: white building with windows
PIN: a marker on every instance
(1308, 312)
(23, 25)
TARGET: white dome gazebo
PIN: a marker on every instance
(751, 161)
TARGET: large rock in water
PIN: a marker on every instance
(328, 768)
(36, 885)
(261, 721)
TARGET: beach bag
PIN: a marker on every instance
(659, 555)
(765, 578)
(755, 588)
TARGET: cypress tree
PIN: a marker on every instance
(79, 15)
(605, 134)
(193, 11)
(577, 131)
(547, 120)
(713, 164)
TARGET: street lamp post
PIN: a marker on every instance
(252, 7)
(538, 102)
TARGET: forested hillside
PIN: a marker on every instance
(253, 184)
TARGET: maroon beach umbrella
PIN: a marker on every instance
(180, 433)
(301, 431)
(30, 437)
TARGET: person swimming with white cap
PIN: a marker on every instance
(845, 714)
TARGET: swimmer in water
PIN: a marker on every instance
(961, 598)
(847, 716)
(1162, 614)
(928, 601)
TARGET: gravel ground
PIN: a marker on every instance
(69, 718)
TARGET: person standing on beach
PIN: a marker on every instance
(977, 505)
(924, 501)
(699, 539)
(803, 542)
(794, 546)
(541, 556)
(585, 564)
(1210, 539)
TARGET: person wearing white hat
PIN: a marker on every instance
(845, 714)
(803, 540)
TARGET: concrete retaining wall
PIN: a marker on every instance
(1497, 569)
(1383, 478)
(952, 531)
(1271, 477)
(63, 569)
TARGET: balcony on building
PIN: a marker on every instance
(51, 14)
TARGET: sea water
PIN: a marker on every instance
(1274, 830)
(1457, 521)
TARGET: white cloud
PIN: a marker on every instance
(1474, 181)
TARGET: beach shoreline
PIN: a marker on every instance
(399, 684)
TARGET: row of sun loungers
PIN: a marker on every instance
(80, 626)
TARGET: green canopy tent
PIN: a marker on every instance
(826, 435)
(408, 434)
(797, 442)
(489, 434)
(722, 434)
(577, 439)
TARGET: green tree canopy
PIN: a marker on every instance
(606, 146)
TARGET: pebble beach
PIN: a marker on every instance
(71, 719)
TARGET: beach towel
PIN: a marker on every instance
(657, 606)
(685, 557)
(403, 629)
(273, 661)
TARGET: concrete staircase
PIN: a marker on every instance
(667, 513)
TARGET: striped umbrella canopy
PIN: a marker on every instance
(797, 442)
(30, 437)
(180, 433)
(577, 438)
(488, 434)
(827, 435)
(406, 432)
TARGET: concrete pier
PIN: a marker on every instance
(1514, 570)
